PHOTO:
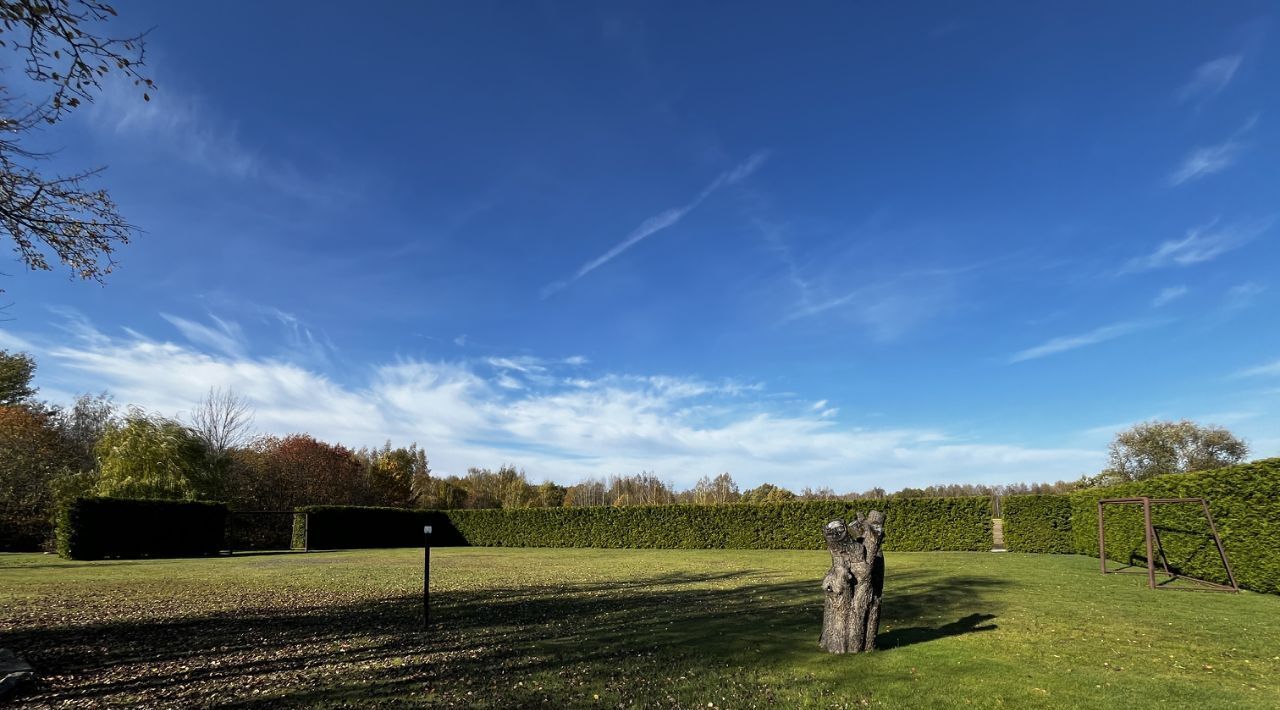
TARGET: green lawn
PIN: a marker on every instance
(610, 628)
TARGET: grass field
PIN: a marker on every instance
(610, 628)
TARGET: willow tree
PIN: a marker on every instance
(146, 456)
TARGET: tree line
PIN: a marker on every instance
(50, 453)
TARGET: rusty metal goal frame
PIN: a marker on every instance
(231, 525)
(1153, 542)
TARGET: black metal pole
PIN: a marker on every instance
(1102, 537)
(1151, 563)
(426, 576)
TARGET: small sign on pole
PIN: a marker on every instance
(426, 576)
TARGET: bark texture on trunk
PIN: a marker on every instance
(854, 584)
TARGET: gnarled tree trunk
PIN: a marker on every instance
(854, 584)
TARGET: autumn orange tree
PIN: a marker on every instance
(281, 473)
(32, 453)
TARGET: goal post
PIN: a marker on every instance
(1154, 545)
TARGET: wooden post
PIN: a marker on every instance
(854, 585)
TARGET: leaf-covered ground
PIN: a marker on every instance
(622, 628)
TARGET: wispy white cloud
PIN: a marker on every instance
(523, 363)
(1220, 418)
(1201, 244)
(303, 343)
(187, 128)
(506, 381)
(1205, 161)
(1211, 159)
(1267, 370)
(891, 307)
(1072, 342)
(1110, 430)
(812, 309)
(776, 240)
(1210, 78)
(836, 281)
(1243, 295)
(521, 371)
(224, 336)
(466, 415)
(662, 220)
(9, 341)
(1234, 416)
(1168, 295)
(181, 124)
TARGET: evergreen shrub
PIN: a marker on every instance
(1037, 523)
(93, 528)
(1244, 501)
(913, 524)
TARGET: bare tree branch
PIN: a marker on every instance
(60, 46)
(61, 217)
(223, 420)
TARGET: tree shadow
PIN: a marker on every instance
(521, 642)
(922, 595)
(921, 634)
(273, 553)
(57, 563)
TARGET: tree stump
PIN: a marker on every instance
(854, 584)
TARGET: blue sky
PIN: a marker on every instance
(835, 244)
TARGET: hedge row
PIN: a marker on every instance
(915, 524)
(94, 528)
(23, 531)
(1037, 523)
(331, 527)
(1244, 500)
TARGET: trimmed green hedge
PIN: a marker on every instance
(1244, 500)
(912, 524)
(95, 528)
(1037, 523)
(333, 527)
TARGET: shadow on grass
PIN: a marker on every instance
(1184, 552)
(519, 645)
(60, 563)
(273, 553)
(57, 563)
(920, 634)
